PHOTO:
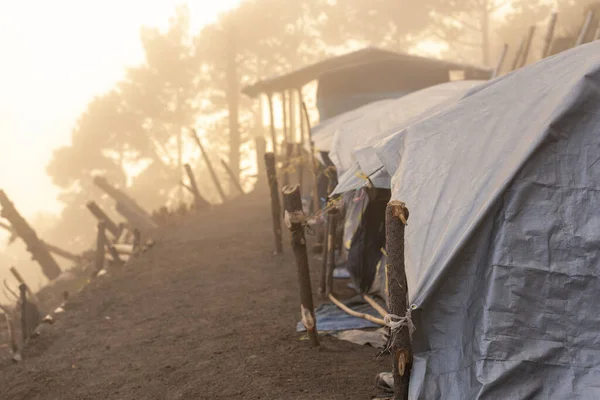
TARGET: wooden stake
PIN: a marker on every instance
(284, 102)
(24, 314)
(272, 123)
(35, 246)
(11, 334)
(137, 242)
(396, 217)
(357, 314)
(549, 35)
(275, 204)
(261, 149)
(584, 28)
(114, 254)
(120, 196)
(332, 215)
(51, 248)
(134, 218)
(199, 201)
(100, 244)
(527, 45)
(313, 161)
(21, 281)
(518, 54)
(289, 151)
(62, 253)
(296, 221)
(496, 72)
(211, 170)
(232, 177)
(300, 167)
(101, 216)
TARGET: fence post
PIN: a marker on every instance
(296, 221)
(395, 220)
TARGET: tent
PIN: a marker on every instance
(502, 246)
(364, 228)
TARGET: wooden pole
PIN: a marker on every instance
(296, 220)
(584, 28)
(272, 123)
(324, 261)
(289, 152)
(101, 216)
(275, 205)
(518, 54)
(233, 94)
(332, 215)
(51, 248)
(137, 243)
(498, 68)
(261, 149)
(527, 45)
(35, 246)
(357, 314)
(313, 162)
(300, 115)
(114, 254)
(120, 196)
(300, 168)
(24, 313)
(100, 244)
(211, 170)
(396, 217)
(11, 334)
(549, 35)
(199, 201)
(234, 180)
(382, 311)
(134, 219)
(284, 113)
(21, 281)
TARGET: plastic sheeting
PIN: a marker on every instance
(353, 147)
(502, 246)
(383, 118)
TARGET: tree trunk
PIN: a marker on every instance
(233, 104)
(38, 250)
(272, 124)
(296, 220)
(396, 216)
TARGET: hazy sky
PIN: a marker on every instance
(56, 56)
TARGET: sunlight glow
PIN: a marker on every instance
(56, 57)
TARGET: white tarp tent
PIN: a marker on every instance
(503, 241)
(354, 134)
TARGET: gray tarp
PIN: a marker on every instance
(503, 241)
(352, 146)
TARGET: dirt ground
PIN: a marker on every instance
(208, 313)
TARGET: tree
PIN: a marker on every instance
(137, 126)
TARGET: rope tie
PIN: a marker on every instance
(395, 323)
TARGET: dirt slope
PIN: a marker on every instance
(209, 313)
